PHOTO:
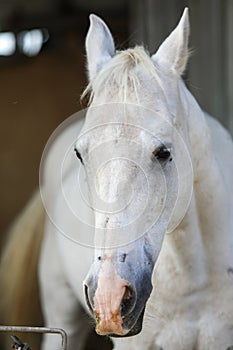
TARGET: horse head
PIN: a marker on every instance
(136, 159)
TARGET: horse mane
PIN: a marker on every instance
(119, 76)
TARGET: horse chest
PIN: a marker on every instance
(184, 319)
(190, 323)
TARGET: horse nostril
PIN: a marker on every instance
(128, 301)
(87, 298)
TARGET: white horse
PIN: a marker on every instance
(158, 206)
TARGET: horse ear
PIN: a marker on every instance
(99, 45)
(173, 52)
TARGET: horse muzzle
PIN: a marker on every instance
(117, 299)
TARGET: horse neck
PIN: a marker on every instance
(194, 247)
(211, 191)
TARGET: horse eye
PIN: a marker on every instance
(162, 153)
(78, 155)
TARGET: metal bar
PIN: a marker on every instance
(41, 330)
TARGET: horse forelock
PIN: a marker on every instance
(120, 76)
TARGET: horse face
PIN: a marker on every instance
(130, 175)
(132, 157)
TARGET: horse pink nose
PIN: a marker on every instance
(110, 310)
(110, 316)
(111, 301)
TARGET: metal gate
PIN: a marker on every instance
(19, 345)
